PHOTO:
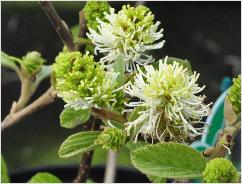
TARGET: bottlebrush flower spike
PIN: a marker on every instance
(131, 32)
(172, 105)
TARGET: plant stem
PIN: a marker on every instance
(11, 119)
(59, 25)
(110, 171)
(86, 160)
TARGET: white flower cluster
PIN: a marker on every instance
(172, 105)
(131, 32)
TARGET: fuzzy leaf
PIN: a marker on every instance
(4, 171)
(135, 114)
(185, 63)
(169, 160)
(9, 61)
(134, 145)
(119, 67)
(156, 179)
(69, 118)
(44, 177)
(44, 72)
(78, 143)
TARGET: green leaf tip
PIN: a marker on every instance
(169, 160)
(78, 143)
(44, 177)
(4, 171)
(70, 118)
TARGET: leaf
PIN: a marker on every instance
(169, 160)
(185, 63)
(44, 72)
(4, 172)
(135, 114)
(44, 177)
(156, 179)
(131, 145)
(69, 118)
(119, 67)
(9, 61)
(78, 143)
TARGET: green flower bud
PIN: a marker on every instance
(94, 10)
(32, 62)
(112, 138)
(220, 170)
(234, 94)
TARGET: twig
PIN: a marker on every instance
(59, 25)
(86, 160)
(47, 98)
(110, 171)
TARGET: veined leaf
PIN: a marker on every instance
(134, 145)
(44, 177)
(4, 171)
(69, 118)
(156, 179)
(169, 160)
(135, 114)
(119, 67)
(78, 143)
(9, 61)
(44, 72)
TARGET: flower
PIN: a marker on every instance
(131, 32)
(169, 101)
(112, 138)
(94, 10)
(234, 94)
(220, 170)
(83, 83)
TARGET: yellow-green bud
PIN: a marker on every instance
(220, 170)
(32, 62)
(234, 94)
(112, 138)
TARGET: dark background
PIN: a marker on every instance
(208, 34)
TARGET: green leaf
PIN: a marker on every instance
(44, 177)
(79, 143)
(131, 145)
(135, 114)
(156, 179)
(69, 118)
(9, 61)
(4, 172)
(119, 67)
(44, 72)
(169, 160)
(185, 63)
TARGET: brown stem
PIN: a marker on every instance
(225, 141)
(47, 98)
(86, 160)
(59, 25)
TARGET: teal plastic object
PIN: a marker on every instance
(215, 122)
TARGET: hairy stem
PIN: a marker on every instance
(47, 98)
(59, 25)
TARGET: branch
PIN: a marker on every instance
(86, 160)
(47, 98)
(59, 25)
